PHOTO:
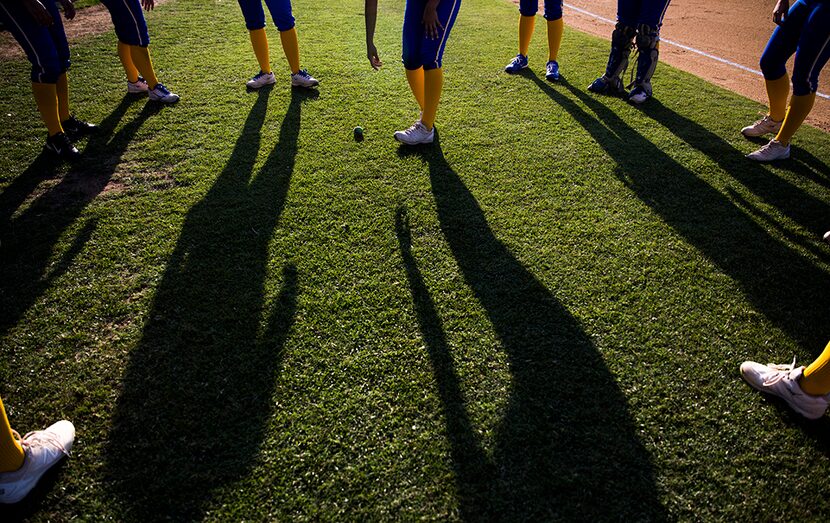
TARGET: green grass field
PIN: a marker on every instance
(250, 316)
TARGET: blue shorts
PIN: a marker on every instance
(553, 8)
(255, 15)
(418, 49)
(805, 32)
(128, 19)
(633, 13)
(45, 47)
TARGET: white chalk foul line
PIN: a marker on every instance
(684, 47)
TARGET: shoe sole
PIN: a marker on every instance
(249, 86)
(516, 72)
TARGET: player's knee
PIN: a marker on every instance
(411, 61)
(528, 8)
(647, 37)
(772, 67)
(622, 35)
(803, 85)
(553, 10)
(48, 73)
(284, 23)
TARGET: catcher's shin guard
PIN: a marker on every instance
(647, 53)
(621, 40)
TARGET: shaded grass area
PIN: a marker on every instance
(248, 315)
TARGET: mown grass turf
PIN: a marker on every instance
(248, 315)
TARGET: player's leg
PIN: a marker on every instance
(412, 36)
(527, 22)
(556, 28)
(806, 390)
(284, 20)
(254, 16)
(811, 55)
(649, 22)
(780, 47)
(621, 39)
(431, 54)
(23, 461)
(131, 29)
(47, 66)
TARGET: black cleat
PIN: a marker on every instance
(61, 146)
(76, 128)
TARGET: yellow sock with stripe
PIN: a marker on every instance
(800, 107)
(816, 379)
(778, 91)
(11, 453)
(415, 77)
(126, 58)
(46, 98)
(259, 41)
(433, 84)
(142, 61)
(526, 26)
(62, 90)
(291, 48)
(556, 28)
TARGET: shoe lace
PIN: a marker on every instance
(517, 60)
(43, 437)
(160, 87)
(784, 372)
(303, 73)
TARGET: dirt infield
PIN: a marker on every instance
(733, 30)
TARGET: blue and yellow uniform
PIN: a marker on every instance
(637, 21)
(420, 50)
(133, 49)
(47, 49)
(805, 32)
(527, 23)
(284, 20)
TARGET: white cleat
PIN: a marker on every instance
(416, 135)
(138, 87)
(765, 125)
(772, 151)
(303, 79)
(782, 381)
(261, 80)
(43, 449)
(159, 93)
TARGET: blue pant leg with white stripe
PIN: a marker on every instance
(813, 49)
(418, 49)
(255, 15)
(129, 22)
(45, 47)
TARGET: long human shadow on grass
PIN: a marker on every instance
(790, 290)
(196, 393)
(28, 238)
(566, 448)
(800, 206)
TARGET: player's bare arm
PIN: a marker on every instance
(371, 13)
(68, 9)
(779, 14)
(432, 25)
(38, 12)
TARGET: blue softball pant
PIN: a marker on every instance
(45, 47)
(129, 22)
(255, 16)
(419, 50)
(805, 32)
(553, 8)
(634, 13)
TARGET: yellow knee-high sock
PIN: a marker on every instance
(778, 91)
(556, 28)
(62, 90)
(126, 58)
(142, 61)
(526, 26)
(11, 453)
(433, 83)
(816, 379)
(259, 41)
(800, 107)
(415, 77)
(291, 48)
(46, 98)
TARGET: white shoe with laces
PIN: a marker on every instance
(138, 87)
(765, 125)
(43, 449)
(261, 80)
(159, 93)
(770, 152)
(303, 79)
(782, 381)
(416, 135)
